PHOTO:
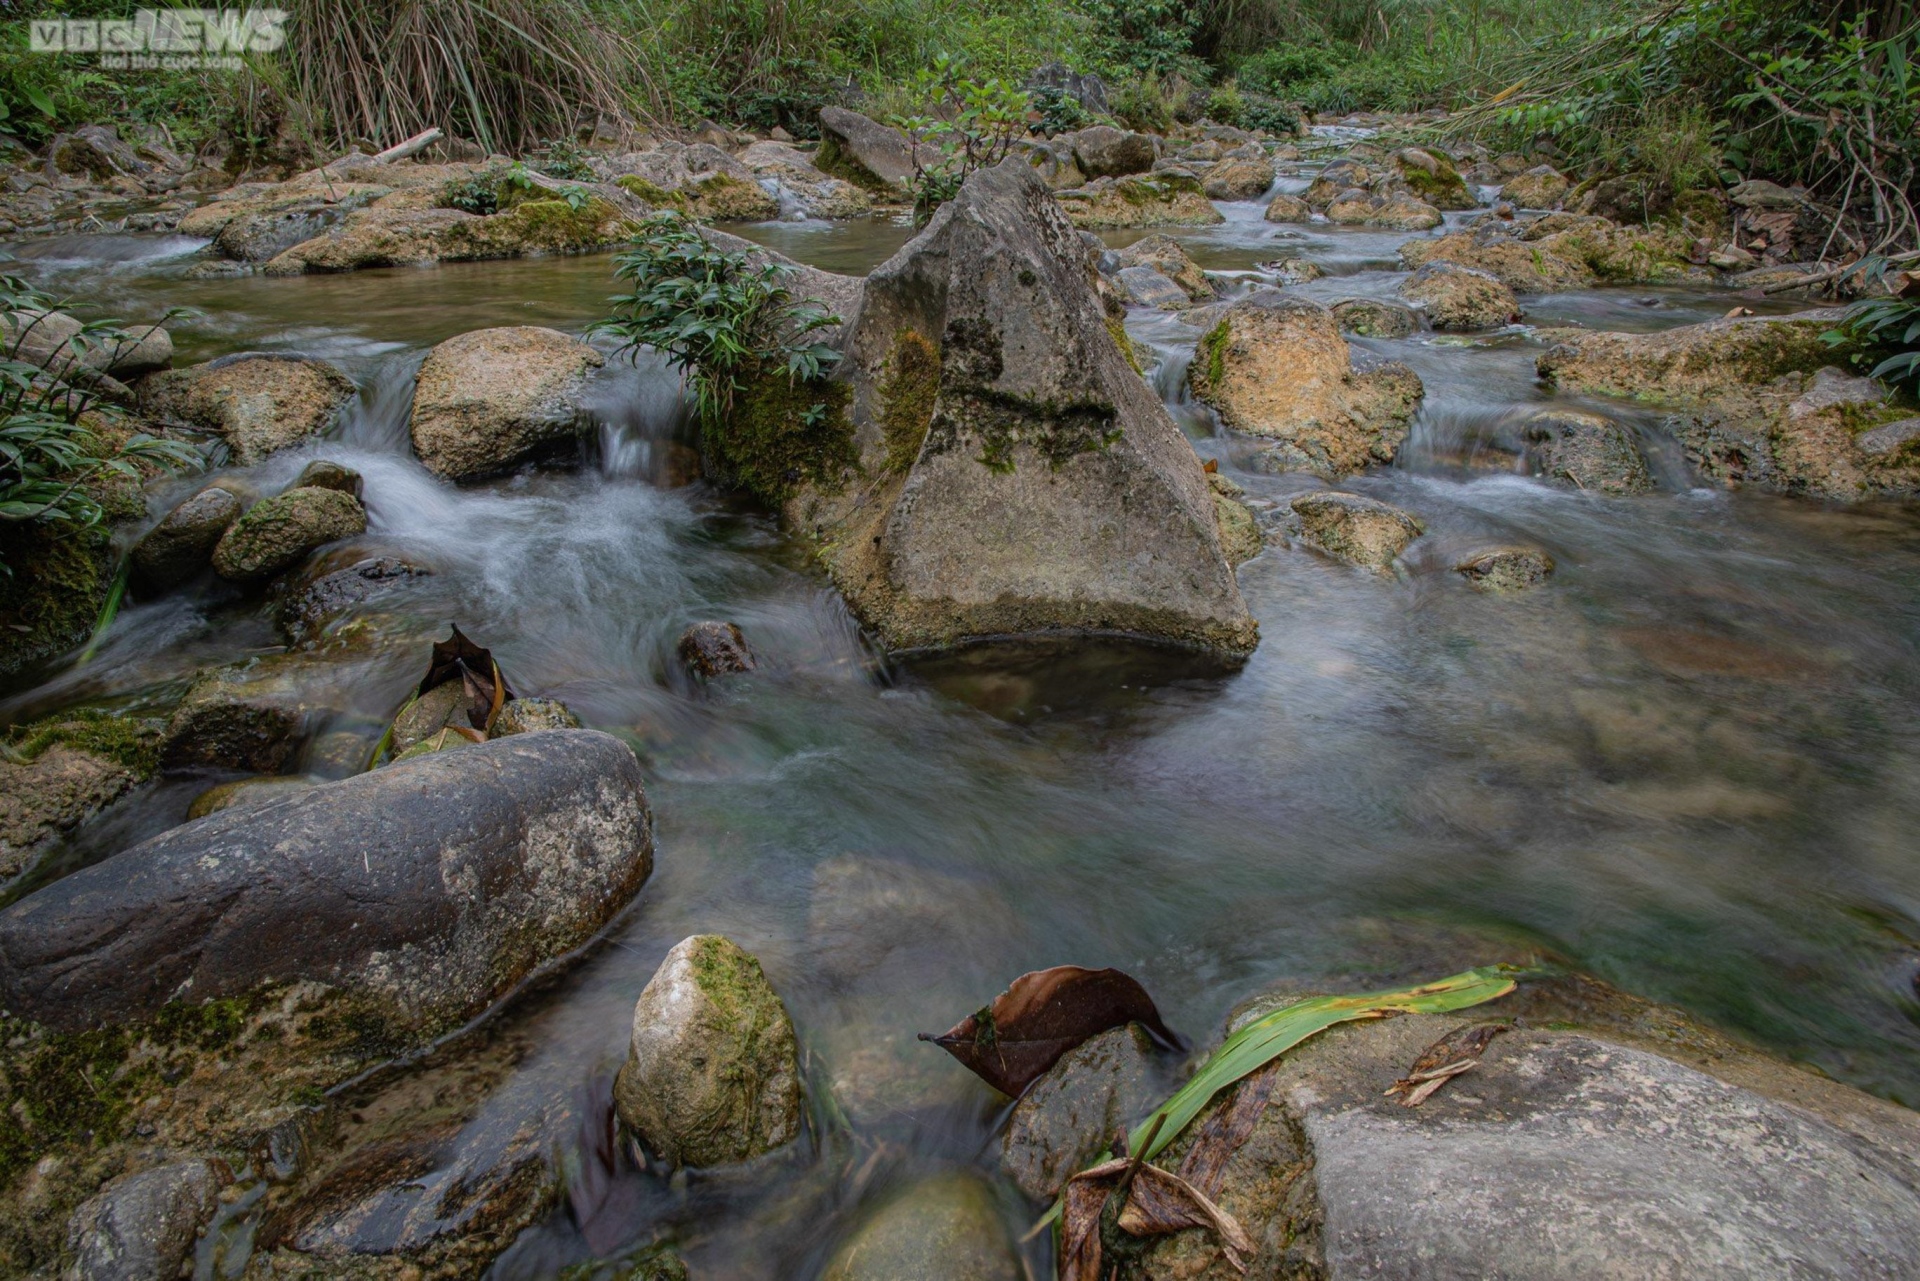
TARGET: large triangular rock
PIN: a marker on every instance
(1019, 475)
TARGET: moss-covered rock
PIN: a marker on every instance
(712, 1075)
(1460, 298)
(258, 404)
(280, 532)
(782, 434)
(1360, 531)
(908, 389)
(1564, 251)
(1375, 318)
(1171, 198)
(49, 602)
(488, 401)
(1276, 366)
(182, 544)
(1689, 363)
(57, 773)
(1587, 451)
(529, 715)
(1503, 570)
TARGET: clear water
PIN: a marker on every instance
(1689, 765)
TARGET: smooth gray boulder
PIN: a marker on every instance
(1105, 152)
(182, 543)
(865, 152)
(1067, 1118)
(142, 1227)
(1028, 479)
(422, 892)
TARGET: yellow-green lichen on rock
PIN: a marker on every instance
(784, 433)
(908, 390)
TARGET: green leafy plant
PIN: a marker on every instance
(1885, 335)
(566, 161)
(965, 125)
(730, 323)
(59, 440)
(1059, 111)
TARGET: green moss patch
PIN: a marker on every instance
(657, 196)
(126, 740)
(831, 160)
(785, 433)
(909, 390)
(58, 583)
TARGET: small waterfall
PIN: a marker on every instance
(644, 412)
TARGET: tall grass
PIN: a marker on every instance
(507, 74)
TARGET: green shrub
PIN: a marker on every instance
(1226, 105)
(730, 323)
(1144, 104)
(1884, 335)
(969, 124)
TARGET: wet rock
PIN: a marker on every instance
(1375, 318)
(1540, 187)
(1399, 210)
(279, 532)
(1689, 363)
(51, 600)
(324, 473)
(1148, 288)
(713, 649)
(1276, 366)
(47, 339)
(1286, 208)
(1069, 1116)
(182, 544)
(422, 892)
(427, 715)
(864, 152)
(96, 152)
(309, 603)
(1168, 199)
(245, 717)
(492, 399)
(1505, 569)
(814, 194)
(712, 1074)
(1053, 160)
(1460, 298)
(1165, 255)
(256, 403)
(1357, 530)
(142, 1227)
(1106, 152)
(1240, 536)
(946, 1228)
(1587, 451)
(1238, 178)
(1034, 481)
(53, 793)
(529, 715)
(1628, 199)
(1889, 438)
(1564, 251)
(399, 232)
(246, 791)
(1292, 271)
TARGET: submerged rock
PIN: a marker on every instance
(308, 604)
(279, 532)
(1028, 479)
(1276, 366)
(713, 649)
(257, 403)
(142, 1227)
(1505, 569)
(423, 892)
(1375, 318)
(1460, 298)
(492, 399)
(249, 717)
(1360, 531)
(1068, 1117)
(182, 544)
(946, 1228)
(246, 791)
(1586, 451)
(324, 473)
(427, 715)
(712, 1074)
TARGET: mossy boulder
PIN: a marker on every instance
(1432, 177)
(399, 235)
(866, 152)
(59, 577)
(1587, 451)
(1167, 256)
(488, 401)
(257, 403)
(1288, 208)
(1238, 178)
(1170, 198)
(1399, 210)
(1564, 251)
(1276, 366)
(279, 532)
(1689, 363)
(61, 771)
(1504, 570)
(1358, 530)
(530, 715)
(1540, 187)
(249, 716)
(1375, 318)
(712, 1075)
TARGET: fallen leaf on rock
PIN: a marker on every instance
(1456, 1052)
(1224, 1132)
(1154, 1203)
(1043, 1014)
(459, 659)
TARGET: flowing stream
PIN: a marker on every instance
(1689, 765)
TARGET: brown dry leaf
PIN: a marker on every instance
(1041, 1016)
(1158, 1202)
(1223, 1133)
(457, 658)
(1456, 1052)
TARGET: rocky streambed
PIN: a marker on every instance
(1518, 616)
